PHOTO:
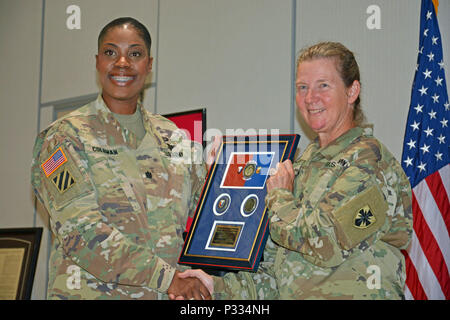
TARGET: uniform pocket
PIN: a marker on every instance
(116, 198)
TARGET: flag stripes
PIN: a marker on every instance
(413, 280)
(431, 248)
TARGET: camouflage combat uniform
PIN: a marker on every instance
(339, 233)
(117, 206)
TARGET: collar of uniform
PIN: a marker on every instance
(107, 117)
(104, 113)
(149, 124)
(342, 142)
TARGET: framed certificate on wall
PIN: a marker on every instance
(230, 225)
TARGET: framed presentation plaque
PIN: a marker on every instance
(230, 225)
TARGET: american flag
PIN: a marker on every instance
(425, 160)
(54, 162)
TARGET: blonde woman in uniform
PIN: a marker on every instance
(341, 213)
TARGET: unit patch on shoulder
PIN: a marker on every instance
(56, 160)
(360, 217)
(63, 181)
(364, 218)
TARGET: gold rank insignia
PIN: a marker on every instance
(364, 218)
(63, 181)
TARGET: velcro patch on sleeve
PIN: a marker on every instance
(360, 217)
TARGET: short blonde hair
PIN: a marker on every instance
(346, 66)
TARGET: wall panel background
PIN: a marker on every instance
(232, 57)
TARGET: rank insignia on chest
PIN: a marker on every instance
(364, 218)
(63, 181)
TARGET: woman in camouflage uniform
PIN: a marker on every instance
(340, 214)
(117, 199)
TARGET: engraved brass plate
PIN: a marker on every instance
(225, 236)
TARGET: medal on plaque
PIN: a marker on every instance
(230, 225)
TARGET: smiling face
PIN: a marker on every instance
(324, 101)
(123, 64)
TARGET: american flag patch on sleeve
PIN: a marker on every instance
(56, 160)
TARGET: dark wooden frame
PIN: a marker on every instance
(30, 240)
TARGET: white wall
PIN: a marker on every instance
(234, 57)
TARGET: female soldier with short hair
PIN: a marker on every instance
(117, 201)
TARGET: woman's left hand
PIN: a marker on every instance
(283, 177)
